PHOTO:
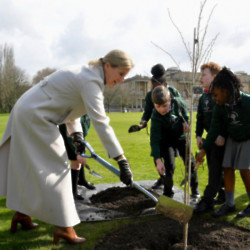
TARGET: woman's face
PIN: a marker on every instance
(114, 75)
(220, 96)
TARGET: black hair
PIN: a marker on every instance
(159, 74)
(226, 79)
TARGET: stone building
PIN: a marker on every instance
(133, 90)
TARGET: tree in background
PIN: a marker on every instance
(13, 80)
(204, 47)
(41, 74)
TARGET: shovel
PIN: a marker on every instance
(135, 128)
(92, 171)
(164, 205)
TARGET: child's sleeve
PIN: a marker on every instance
(199, 119)
(148, 109)
(215, 127)
(155, 137)
(67, 142)
(182, 106)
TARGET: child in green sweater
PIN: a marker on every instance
(232, 114)
(168, 127)
(159, 77)
(215, 154)
(77, 170)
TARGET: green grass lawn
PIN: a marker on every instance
(137, 150)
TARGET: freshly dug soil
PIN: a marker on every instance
(163, 233)
(160, 232)
(124, 199)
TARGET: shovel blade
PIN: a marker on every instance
(174, 209)
(95, 174)
(134, 128)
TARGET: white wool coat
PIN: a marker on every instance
(34, 169)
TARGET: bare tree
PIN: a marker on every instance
(204, 48)
(13, 81)
(41, 74)
(110, 94)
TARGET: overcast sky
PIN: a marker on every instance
(57, 33)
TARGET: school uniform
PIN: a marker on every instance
(167, 134)
(235, 119)
(68, 141)
(215, 153)
(149, 106)
(34, 168)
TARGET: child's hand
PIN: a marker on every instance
(220, 141)
(143, 124)
(75, 165)
(160, 166)
(185, 127)
(81, 160)
(199, 142)
(200, 156)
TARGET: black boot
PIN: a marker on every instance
(194, 186)
(83, 182)
(220, 199)
(168, 186)
(74, 176)
(158, 183)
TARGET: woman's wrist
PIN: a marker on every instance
(120, 157)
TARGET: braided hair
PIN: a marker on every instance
(226, 79)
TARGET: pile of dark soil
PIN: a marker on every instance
(123, 199)
(160, 232)
(163, 233)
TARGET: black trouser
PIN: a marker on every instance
(215, 173)
(168, 154)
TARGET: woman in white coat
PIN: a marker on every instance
(34, 169)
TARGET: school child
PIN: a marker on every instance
(77, 175)
(159, 77)
(216, 153)
(232, 113)
(168, 132)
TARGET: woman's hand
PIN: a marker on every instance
(200, 156)
(160, 166)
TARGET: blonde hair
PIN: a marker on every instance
(116, 58)
(213, 67)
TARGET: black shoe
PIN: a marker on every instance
(219, 200)
(170, 195)
(158, 183)
(203, 207)
(224, 210)
(244, 213)
(195, 194)
(87, 184)
(83, 182)
(78, 197)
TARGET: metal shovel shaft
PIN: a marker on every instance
(117, 172)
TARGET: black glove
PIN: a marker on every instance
(126, 175)
(77, 142)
